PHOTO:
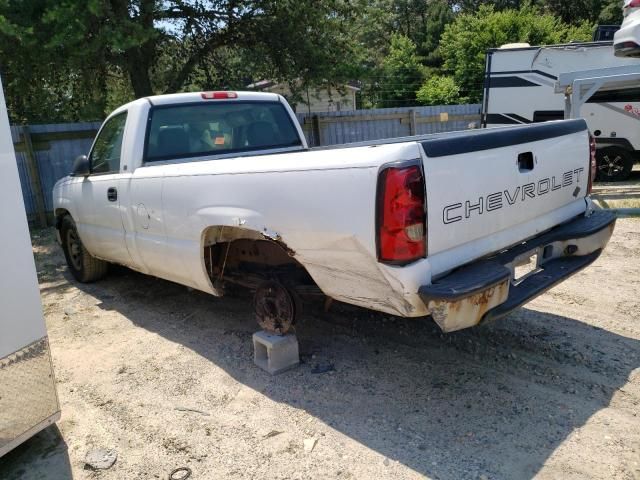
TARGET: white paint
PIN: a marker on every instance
(21, 320)
(321, 204)
(630, 28)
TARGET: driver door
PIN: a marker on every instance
(100, 224)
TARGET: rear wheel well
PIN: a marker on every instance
(264, 264)
(249, 258)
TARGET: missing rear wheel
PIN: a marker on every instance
(275, 308)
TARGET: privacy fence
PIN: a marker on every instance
(45, 153)
(361, 125)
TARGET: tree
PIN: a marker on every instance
(577, 11)
(439, 15)
(471, 6)
(145, 47)
(572, 12)
(402, 74)
(134, 33)
(305, 43)
(43, 84)
(466, 40)
(611, 13)
(440, 90)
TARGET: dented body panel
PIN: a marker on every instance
(318, 205)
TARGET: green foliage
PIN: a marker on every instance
(439, 15)
(470, 6)
(465, 41)
(90, 55)
(305, 43)
(70, 60)
(576, 11)
(43, 82)
(402, 73)
(611, 13)
(440, 90)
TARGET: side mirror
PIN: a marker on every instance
(81, 167)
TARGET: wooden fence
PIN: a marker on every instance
(336, 128)
(45, 153)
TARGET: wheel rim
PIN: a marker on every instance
(611, 165)
(74, 247)
(274, 307)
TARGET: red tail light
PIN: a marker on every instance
(401, 215)
(593, 162)
(218, 95)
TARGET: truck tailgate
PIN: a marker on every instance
(490, 189)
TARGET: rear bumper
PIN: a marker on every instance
(487, 289)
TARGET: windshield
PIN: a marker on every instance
(184, 131)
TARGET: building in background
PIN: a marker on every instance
(314, 100)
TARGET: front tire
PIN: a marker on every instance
(614, 164)
(83, 266)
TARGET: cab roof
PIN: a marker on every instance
(197, 97)
(194, 97)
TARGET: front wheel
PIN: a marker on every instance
(614, 164)
(84, 267)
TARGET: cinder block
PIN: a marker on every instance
(275, 353)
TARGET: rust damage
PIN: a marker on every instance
(275, 308)
(467, 312)
(275, 236)
(264, 264)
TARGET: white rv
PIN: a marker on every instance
(520, 89)
(28, 399)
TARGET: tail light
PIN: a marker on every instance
(218, 95)
(401, 215)
(593, 163)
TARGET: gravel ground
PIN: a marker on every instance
(165, 377)
(619, 194)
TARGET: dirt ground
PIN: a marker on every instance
(165, 377)
(619, 195)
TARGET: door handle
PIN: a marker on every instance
(526, 162)
(112, 194)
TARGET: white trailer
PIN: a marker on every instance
(28, 398)
(520, 88)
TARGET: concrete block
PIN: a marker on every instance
(275, 353)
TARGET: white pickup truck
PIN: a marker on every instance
(217, 188)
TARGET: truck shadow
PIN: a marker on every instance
(42, 456)
(496, 401)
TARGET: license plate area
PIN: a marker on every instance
(524, 266)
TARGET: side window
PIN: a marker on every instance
(105, 156)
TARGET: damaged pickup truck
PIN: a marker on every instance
(220, 188)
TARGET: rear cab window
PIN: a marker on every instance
(205, 129)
